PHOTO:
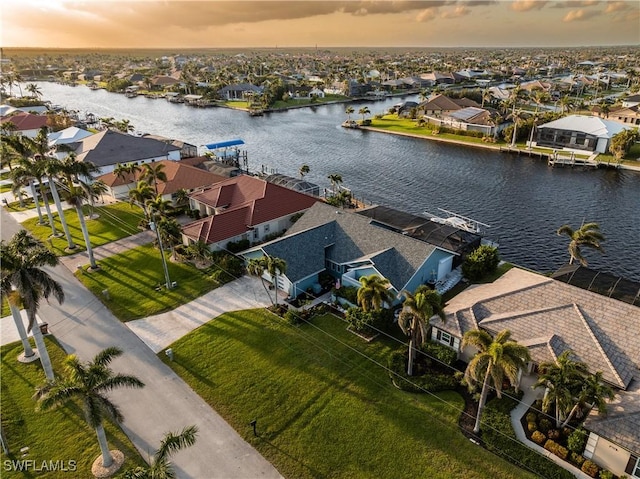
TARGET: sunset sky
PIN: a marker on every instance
(386, 23)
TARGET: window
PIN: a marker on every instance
(256, 233)
(266, 228)
(636, 469)
(444, 338)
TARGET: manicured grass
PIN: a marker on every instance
(131, 279)
(57, 435)
(116, 221)
(322, 409)
(237, 104)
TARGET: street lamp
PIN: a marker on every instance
(153, 227)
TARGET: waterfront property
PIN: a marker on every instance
(243, 208)
(110, 148)
(550, 317)
(26, 124)
(578, 132)
(68, 137)
(349, 246)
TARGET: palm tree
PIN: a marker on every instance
(181, 197)
(349, 111)
(25, 173)
(562, 380)
(139, 196)
(364, 111)
(89, 382)
(34, 89)
(158, 206)
(498, 359)
(126, 172)
(274, 267)
(417, 310)
(516, 116)
(335, 180)
(588, 236)
(170, 233)
(373, 292)
(304, 170)
(161, 467)
(154, 173)
(72, 170)
(22, 261)
(53, 170)
(94, 190)
(256, 267)
(486, 96)
(594, 393)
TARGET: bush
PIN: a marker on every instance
(531, 417)
(590, 468)
(292, 317)
(500, 438)
(576, 459)
(556, 449)
(358, 319)
(431, 381)
(237, 246)
(538, 437)
(545, 424)
(350, 293)
(577, 440)
(481, 262)
(553, 434)
(604, 474)
(532, 426)
(441, 352)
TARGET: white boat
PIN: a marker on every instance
(463, 223)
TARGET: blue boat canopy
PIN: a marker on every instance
(224, 144)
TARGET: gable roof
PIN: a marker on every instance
(72, 134)
(439, 102)
(25, 121)
(591, 125)
(325, 232)
(246, 202)
(111, 147)
(179, 176)
(601, 331)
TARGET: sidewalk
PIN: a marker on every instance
(530, 395)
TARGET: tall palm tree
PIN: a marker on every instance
(160, 466)
(594, 393)
(153, 173)
(170, 233)
(53, 171)
(373, 292)
(90, 382)
(336, 180)
(22, 261)
(562, 380)
(349, 111)
(274, 267)
(588, 236)
(181, 197)
(516, 116)
(159, 207)
(139, 196)
(256, 267)
(497, 359)
(126, 172)
(304, 170)
(94, 190)
(364, 111)
(73, 171)
(26, 171)
(417, 310)
(34, 89)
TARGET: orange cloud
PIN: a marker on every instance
(576, 3)
(459, 11)
(616, 7)
(578, 15)
(427, 15)
(526, 5)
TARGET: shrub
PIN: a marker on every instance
(500, 438)
(556, 449)
(237, 246)
(538, 437)
(531, 417)
(441, 352)
(350, 293)
(532, 426)
(358, 319)
(545, 424)
(481, 262)
(431, 381)
(604, 474)
(292, 317)
(577, 459)
(553, 434)
(590, 468)
(577, 440)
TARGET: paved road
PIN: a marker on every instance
(84, 326)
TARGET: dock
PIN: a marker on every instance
(556, 159)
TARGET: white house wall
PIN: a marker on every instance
(610, 456)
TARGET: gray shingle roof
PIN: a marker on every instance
(310, 240)
(111, 147)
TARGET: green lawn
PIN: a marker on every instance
(322, 409)
(116, 221)
(58, 435)
(132, 277)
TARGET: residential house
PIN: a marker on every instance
(578, 132)
(550, 317)
(187, 150)
(69, 138)
(180, 176)
(630, 116)
(26, 124)
(243, 208)
(438, 78)
(441, 105)
(108, 148)
(469, 119)
(632, 100)
(348, 246)
(239, 91)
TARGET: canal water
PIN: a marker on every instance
(522, 199)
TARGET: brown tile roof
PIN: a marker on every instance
(26, 121)
(248, 201)
(179, 176)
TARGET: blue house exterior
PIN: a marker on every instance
(349, 246)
